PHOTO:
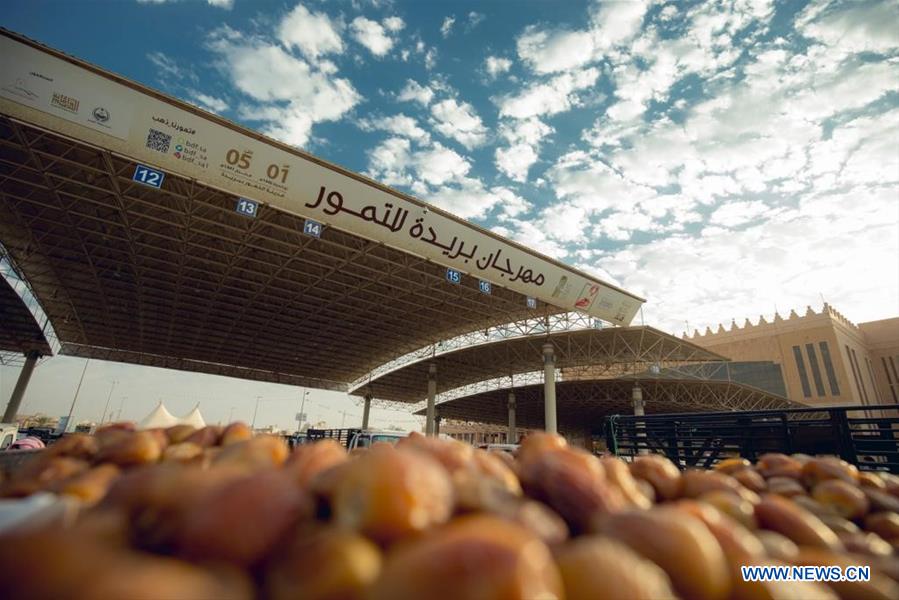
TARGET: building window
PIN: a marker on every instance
(873, 382)
(816, 370)
(803, 376)
(860, 376)
(828, 368)
(858, 385)
(890, 382)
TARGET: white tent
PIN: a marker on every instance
(160, 417)
(194, 418)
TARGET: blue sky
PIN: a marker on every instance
(719, 158)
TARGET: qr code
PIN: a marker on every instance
(158, 141)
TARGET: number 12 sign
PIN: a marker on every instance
(148, 176)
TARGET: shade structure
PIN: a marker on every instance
(194, 418)
(158, 417)
(157, 234)
(583, 404)
(611, 350)
(20, 332)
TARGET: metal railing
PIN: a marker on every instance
(866, 436)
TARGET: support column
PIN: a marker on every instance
(21, 384)
(432, 398)
(639, 406)
(366, 409)
(436, 424)
(511, 437)
(549, 389)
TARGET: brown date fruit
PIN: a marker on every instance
(775, 464)
(130, 449)
(845, 499)
(235, 432)
(574, 483)
(679, 543)
(593, 565)
(260, 452)
(869, 479)
(475, 557)
(41, 473)
(75, 445)
(618, 473)
(784, 516)
(884, 524)
(777, 545)
(729, 466)
(739, 544)
(817, 470)
(751, 480)
(388, 494)
(660, 472)
(539, 442)
(90, 486)
(183, 452)
(241, 521)
(308, 460)
(787, 487)
(179, 433)
(324, 564)
(739, 509)
(694, 483)
(870, 544)
(880, 500)
(207, 436)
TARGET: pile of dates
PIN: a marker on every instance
(217, 513)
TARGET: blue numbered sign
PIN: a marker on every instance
(453, 276)
(247, 207)
(313, 228)
(485, 287)
(148, 176)
(532, 302)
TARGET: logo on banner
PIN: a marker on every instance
(20, 88)
(66, 103)
(100, 114)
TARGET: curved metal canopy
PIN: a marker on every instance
(585, 403)
(612, 351)
(20, 333)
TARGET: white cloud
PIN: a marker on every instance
(475, 19)
(496, 66)
(394, 24)
(470, 199)
(291, 94)
(460, 122)
(852, 27)
(524, 137)
(372, 35)
(549, 52)
(401, 125)
(210, 103)
(447, 27)
(738, 213)
(225, 4)
(439, 165)
(394, 162)
(557, 95)
(415, 92)
(313, 34)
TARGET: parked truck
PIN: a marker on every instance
(352, 438)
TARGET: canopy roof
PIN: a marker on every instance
(159, 417)
(187, 275)
(616, 350)
(585, 403)
(19, 331)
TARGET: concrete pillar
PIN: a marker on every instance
(432, 398)
(639, 406)
(637, 398)
(549, 389)
(511, 437)
(436, 425)
(366, 409)
(18, 392)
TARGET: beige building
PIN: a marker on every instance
(825, 359)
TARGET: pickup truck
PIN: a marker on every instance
(353, 437)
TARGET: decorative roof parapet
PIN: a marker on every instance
(826, 311)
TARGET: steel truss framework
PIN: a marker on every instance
(176, 278)
(613, 351)
(24, 326)
(584, 404)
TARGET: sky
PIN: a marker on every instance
(722, 159)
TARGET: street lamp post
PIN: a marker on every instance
(231, 416)
(118, 416)
(256, 410)
(302, 409)
(108, 398)
(75, 397)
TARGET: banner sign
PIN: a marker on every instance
(73, 100)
